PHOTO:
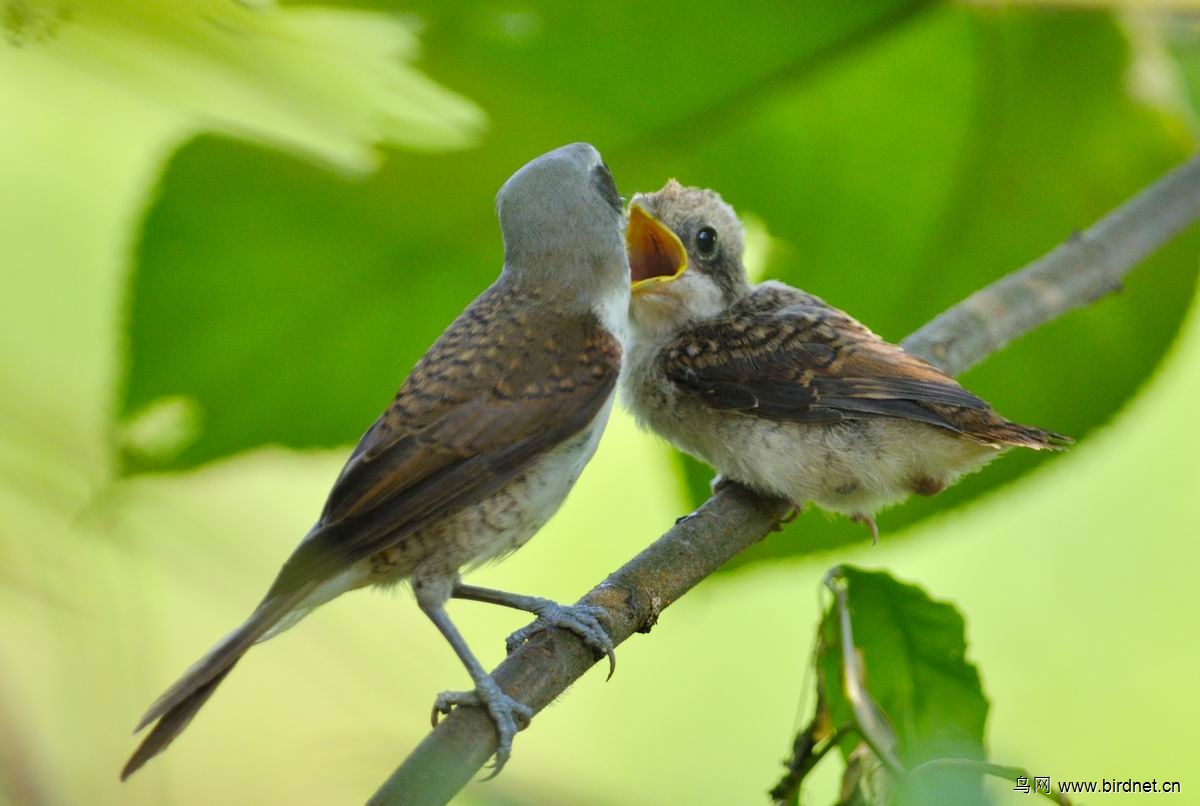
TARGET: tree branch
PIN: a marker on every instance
(543, 668)
(1077, 272)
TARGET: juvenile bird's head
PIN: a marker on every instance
(563, 227)
(685, 252)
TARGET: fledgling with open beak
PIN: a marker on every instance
(779, 390)
(477, 450)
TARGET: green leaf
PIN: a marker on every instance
(333, 84)
(286, 305)
(299, 325)
(912, 649)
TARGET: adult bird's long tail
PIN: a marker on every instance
(176, 707)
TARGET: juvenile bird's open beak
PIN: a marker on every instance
(656, 255)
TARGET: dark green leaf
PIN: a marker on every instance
(965, 145)
(285, 305)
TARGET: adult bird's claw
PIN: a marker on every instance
(583, 620)
(508, 715)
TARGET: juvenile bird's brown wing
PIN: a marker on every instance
(504, 382)
(784, 355)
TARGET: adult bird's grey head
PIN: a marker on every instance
(563, 209)
(483, 441)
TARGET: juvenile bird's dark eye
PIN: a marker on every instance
(706, 241)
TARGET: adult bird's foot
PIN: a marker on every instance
(508, 715)
(583, 620)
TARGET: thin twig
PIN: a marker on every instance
(1075, 273)
(810, 746)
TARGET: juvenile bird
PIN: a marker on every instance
(477, 450)
(779, 390)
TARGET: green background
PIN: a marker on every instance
(201, 307)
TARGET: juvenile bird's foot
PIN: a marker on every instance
(583, 620)
(870, 523)
(508, 715)
(794, 512)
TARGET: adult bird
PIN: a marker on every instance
(779, 390)
(479, 447)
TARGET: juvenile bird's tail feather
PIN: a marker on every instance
(1025, 436)
(176, 707)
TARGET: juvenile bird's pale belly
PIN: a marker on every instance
(855, 467)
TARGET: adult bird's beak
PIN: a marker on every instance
(656, 255)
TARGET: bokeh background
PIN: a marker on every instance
(228, 229)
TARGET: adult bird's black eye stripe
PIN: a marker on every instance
(603, 180)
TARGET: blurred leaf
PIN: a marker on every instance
(306, 298)
(1179, 67)
(333, 84)
(912, 650)
(161, 429)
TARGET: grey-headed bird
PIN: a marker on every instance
(779, 390)
(479, 447)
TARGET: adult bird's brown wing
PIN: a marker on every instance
(808, 362)
(506, 381)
